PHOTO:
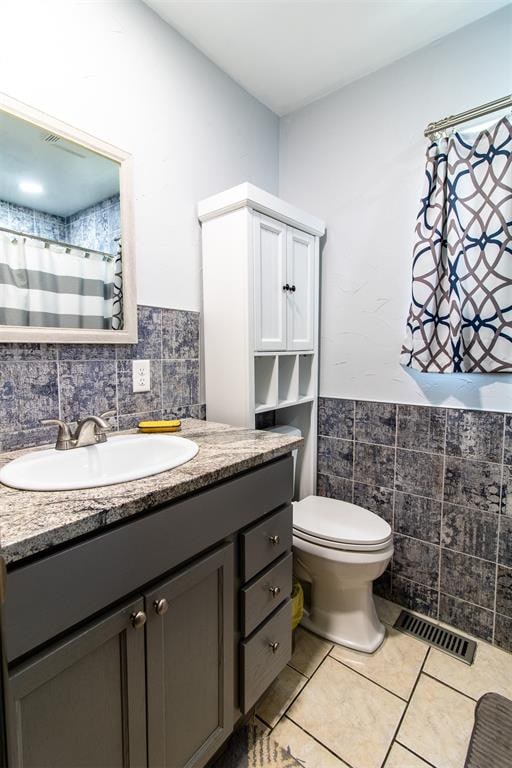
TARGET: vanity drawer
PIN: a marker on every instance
(266, 541)
(264, 655)
(264, 594)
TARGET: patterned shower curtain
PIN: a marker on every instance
(460, 319)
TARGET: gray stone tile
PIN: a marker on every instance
(416, 560)
(138, 402)
(506, 496)
(376, 499)
(131, 420)
(415, 597)
(470, 531)
(505, 544)
(375, 422)
(87, 387)
(374, 464)
(265, 420)
(418, 517)
(466, 617)
(28, 352)
(503, 632)
(87, 352)
(468, 578)
(180, 334)
(27, 438)
(507, 451)
(180, 382)
(28, 393)
(336, 417)
(149, 330)
(335, 457)
(504, 591)
(475, 484)
(194, 411)
(474, 435)
(420, 427)
(419, 473)
(335, 487)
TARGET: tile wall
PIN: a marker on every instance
(440, 478)
(70, 381)
(94, 227)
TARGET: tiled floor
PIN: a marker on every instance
(405, 706)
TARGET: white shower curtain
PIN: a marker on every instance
(48, 285)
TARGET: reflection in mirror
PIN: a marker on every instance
(60, 231)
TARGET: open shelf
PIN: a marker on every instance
(287, 379)
(283, 380)
(265, 383)
(306, 383)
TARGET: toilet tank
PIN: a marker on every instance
(287, 429)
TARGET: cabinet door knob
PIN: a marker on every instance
(274, 539)
(274, 647)
(286, 287)
(274, 591)
(292, 288)
(138, 619)
(161, 606)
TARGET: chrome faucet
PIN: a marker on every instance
(90, 431)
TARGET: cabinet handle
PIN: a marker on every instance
(161, 606)
(286, 287)
(274, 539)
(293, 288)
(138, 619)
(274, 647)
(274, 591)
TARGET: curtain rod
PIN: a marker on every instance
(67, 246)
(470, 114)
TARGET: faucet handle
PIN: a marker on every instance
(108, 414)
(64, 437)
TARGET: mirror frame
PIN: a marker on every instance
(128, 334)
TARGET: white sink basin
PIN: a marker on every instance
(120, 459)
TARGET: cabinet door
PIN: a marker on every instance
(81, 704)
(190, 662)
(301, 296)
(269, 282)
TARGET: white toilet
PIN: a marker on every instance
(339, 550)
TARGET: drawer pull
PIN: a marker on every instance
(161, 606)
(274, 591)
(138, 619)
(274, 647)
(274, 539)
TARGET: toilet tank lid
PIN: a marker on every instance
(285, 429)
(339, 521)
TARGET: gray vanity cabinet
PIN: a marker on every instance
(190, 662)
(82, 702)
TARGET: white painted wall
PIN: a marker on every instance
(116, 70)
(356, 159)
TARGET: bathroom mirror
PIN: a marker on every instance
(66, 245)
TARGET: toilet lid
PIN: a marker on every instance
(339, 522)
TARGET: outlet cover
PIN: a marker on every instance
(141, 372)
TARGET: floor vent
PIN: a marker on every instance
(439, 637)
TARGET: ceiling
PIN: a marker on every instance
(288, 53)
(72, 177)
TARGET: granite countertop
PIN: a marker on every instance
(34, 521)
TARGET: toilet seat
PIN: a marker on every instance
(336, 524)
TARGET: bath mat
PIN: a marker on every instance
(491, 740)
(251, 747)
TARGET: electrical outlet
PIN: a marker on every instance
(141, 371)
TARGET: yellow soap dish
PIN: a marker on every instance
(159, 426)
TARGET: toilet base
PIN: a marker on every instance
(359, 630)
(339, 583)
